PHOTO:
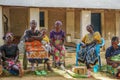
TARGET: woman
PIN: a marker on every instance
(57, 38)
(89, 42)
(112, 52)
(10, 55)
(31, 35)
(112, 55)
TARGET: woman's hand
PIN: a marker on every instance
(34, 37)
(30, 39)
(83, 46)
(39, 38)
(93, 42)
(9, 59)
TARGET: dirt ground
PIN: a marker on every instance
(40, 78)
(70, 62)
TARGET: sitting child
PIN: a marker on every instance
(45, 40)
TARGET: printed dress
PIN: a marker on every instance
(58, 49)
(88, 54)
(34, 48)
(10, 52)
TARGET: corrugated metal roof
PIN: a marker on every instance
(100, 4)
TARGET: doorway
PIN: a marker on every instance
(96, 21)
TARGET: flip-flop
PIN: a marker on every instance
(38, 73)
(43, 72)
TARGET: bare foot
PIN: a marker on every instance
(21, 72)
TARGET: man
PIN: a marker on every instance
(31, 35)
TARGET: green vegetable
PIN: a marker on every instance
(76, 75)
(115, 58)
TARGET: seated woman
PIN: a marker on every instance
(31, 35)
(10, 55)
(57, 38)
(88, 46)
(113, 53)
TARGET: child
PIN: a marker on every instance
(45, 40)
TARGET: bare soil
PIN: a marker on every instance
(70, 62)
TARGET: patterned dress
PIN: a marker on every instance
(10, 52)
(88, 54)
(29, 34)
(58, 49)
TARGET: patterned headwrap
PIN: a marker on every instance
(8, 35)
(58, 23)
(33, 21)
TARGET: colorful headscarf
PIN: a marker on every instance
(33, 21)
(8, 35)
(58, 23)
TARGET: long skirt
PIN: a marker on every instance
(59, 55)
(88, 55)
(12, 67)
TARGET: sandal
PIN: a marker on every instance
(43, 72)
(38, 73)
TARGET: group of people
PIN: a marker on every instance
(9, 52)
(88, 52)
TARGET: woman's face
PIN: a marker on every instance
(116, 42)
(9, 39)
(89, 29)
(57, 26)
(33, 25)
